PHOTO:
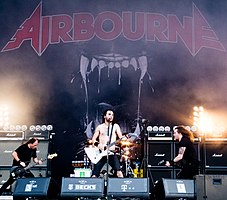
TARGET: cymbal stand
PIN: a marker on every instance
(128, 168)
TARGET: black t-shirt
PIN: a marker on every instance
(190, 152)
(24, 154)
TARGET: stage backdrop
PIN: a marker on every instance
(64, 62)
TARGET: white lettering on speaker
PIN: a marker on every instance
(159, 155)
(85, 187)
(124, 188)
(217, 155)
(159, 134)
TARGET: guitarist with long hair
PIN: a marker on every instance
(107, 133)
(21, 158)
(186, 157)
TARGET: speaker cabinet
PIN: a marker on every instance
(42, 151)
(32, 187)
(215, 154)
(128, 187)
(211, 187)
(173, 188)
(6, 149)
(158, 151)
(82, 187)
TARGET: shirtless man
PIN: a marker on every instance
(101, 138)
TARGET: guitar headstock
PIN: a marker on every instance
(51, 156)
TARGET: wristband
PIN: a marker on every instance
(171, 162)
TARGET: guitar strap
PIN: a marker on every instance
(110, 137)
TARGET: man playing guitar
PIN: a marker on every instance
(21, 158)
(105, 134)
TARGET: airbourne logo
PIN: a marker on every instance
(41, 31)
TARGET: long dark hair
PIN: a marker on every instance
(185, 132)
(32, 140)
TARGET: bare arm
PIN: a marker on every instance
(95, 136)
(178, 157)
(118, 131)
(180, 154)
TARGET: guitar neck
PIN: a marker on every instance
(33, 165)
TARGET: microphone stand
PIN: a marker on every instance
(107, 154)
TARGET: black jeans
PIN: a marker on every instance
(11, 180)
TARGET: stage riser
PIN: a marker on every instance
(213, 187)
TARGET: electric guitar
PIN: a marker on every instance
(95, 154)
(19, 171)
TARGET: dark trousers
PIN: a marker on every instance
(11, 180)
(113, 162)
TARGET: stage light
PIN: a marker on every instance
(43, 127)
(194, 128)
(24, 127)
(149, 128)
(167, 128)
(49, 127)
(18, 127)
(155, 128)
(161, 128)
(37, 127)
(32, 128)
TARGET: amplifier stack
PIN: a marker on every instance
(10, 140)
(160, 146)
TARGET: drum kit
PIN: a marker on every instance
(130, 158)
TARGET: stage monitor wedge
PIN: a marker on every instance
(179, 188)
(128, 187)
(82, 187)
(32, 187)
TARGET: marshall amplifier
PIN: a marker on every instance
(216, 154)
(11, 135)
(128, 187)
(82, 187)
(6, 150)
(162, 135)
(41, 135)
(32, 187)
(159, 151)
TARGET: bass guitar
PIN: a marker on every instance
(19, 171)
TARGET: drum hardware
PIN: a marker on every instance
(127, 167)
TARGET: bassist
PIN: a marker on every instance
(21, 158)
(106, 133)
